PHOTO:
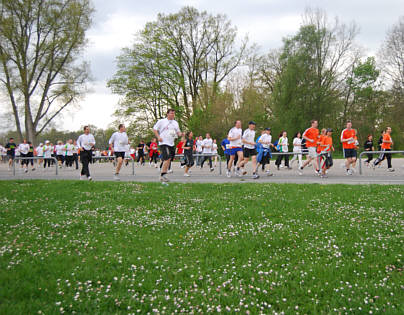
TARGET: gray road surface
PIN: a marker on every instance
(104, 172)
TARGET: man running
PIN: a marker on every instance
(153, 152)
(348, 139)
(117, 145)
(85, 143)
(207, 144)
(24, 149)
(386, 147)
(249, 150)
(10, 147)
(47, 153)
(39, 153)
(188, 149)
(69, 149)
(234, 136)
(140, 153)
(311, 137)
(265, 141)
(166, 131)
(326, 150)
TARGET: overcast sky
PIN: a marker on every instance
(265, 21)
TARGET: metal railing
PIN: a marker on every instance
(208, 155)
(374, 152)
(35, 158)
(114, 158)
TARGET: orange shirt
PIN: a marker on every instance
(320, 142)
(385, 145)
(326, 143)
(311, 133)
(346, 134)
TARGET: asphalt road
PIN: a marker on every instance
(104, 172)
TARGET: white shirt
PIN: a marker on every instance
(214, 148)
(76, 149)
(234, 133)
(84, 141)
(266, 140)
(249, 135)
(24, 148)
(69, 148)
(297, 145)
(199, 144)
(168, 131)
(283, 142)
(119, 140)
(39, 150)
(47, 150)
(60, 149)
(207, 146)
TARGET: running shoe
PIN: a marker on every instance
(268, 173)
(237, 172)
(89, 178)
(349, 172)
(390, 170)
(25, 170)
(300, 170)
(116, 177)
(244, 172)
(228, 173)
(323, 176)
(212, 169)
(186, 175)
(255, 176)
(33, 169)
(164, 179)
(169, 171)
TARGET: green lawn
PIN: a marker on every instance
(104, 247)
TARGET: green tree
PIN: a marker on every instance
(40, 42)
(314, 65)
(177, 61)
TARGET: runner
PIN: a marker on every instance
(214, 152)
(117, 145)
(153, 152)
(24, 149)
(85, 143)
(199, 149)
(311, 137)
(166, 131)
(236, 149)
(10, 147)
(348, 139)
(326, 152)
(283, 145)
(39, 153)
(188, 149)
(264, 156)
(140, 152)
(60, 151)
(69, 149)
(386, 146)
(297, 149)
(76, 154)
(47, 154)
(207, 144)
(321, 158)
(249, 150)
(368, 146)
(31, 154)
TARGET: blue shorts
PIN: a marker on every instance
(233, 151)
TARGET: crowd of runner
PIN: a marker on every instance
(239, 147)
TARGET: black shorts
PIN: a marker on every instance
(189, 158)
(349, 153)
(167, 152)
(10, 156)
(119, 154)
(249, 152)
(265, 159)
(60, 157)
(328, 161)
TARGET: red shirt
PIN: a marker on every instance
(312, 134)
(153, 148)
(180, 147)
(346, 134)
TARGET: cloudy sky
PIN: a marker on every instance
(265, 21)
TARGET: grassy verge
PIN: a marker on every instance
(80, 247)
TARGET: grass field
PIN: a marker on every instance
(104, 247)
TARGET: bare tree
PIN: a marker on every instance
(40, 42)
